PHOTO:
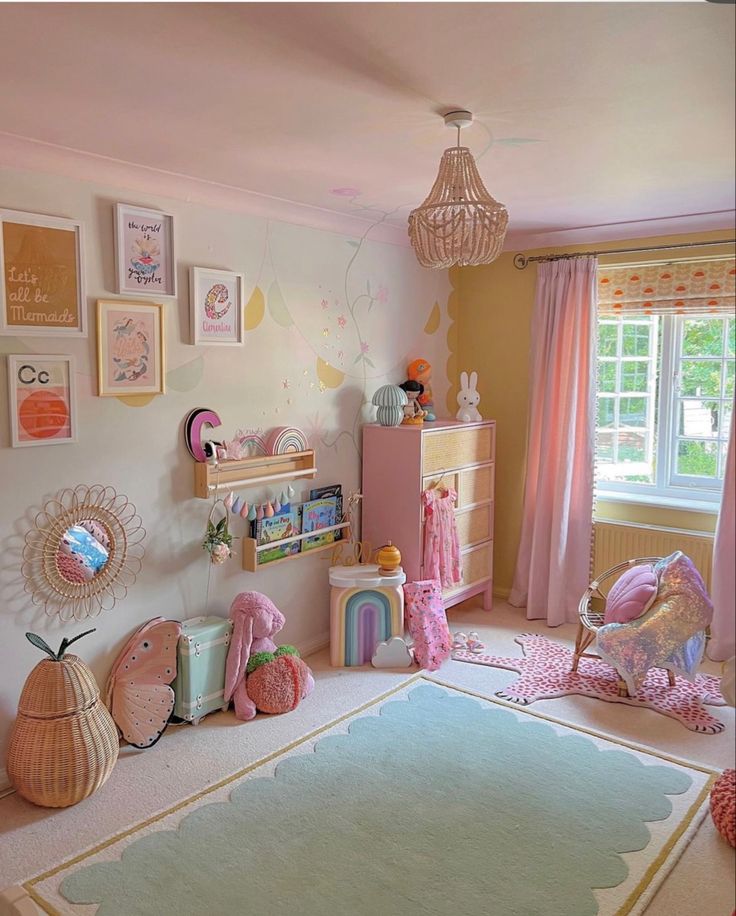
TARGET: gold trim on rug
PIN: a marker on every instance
(28, 885)
(644, 883)
(631, 745)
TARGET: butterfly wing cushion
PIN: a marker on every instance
(632, 595)
(138, 691)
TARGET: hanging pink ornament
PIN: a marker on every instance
(259, 513)
(268, 511)
(244, 509)
(229, 501)
(276, 505)
(236, 506)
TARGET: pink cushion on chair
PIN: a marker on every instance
(632, 595)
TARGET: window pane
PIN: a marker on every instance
(700, 378)
(607, 338)
(604, 450)
(606, 411)
(699, 419)
(702, 337)
(636, 340)
(607, 377)
(731, 338)
(634, 376)
(724, 457)
(729, 378)
(633, 412)
(697, 459)
(724, 427)
(632, 447)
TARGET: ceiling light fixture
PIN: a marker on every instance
(459, 222)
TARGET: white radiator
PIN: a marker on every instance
(615, 542)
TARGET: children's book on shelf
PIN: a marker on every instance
(316, 514)
(334, 489)
(283, 524)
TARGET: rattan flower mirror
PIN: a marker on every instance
(83, 552)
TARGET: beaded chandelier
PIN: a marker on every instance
(459, 222)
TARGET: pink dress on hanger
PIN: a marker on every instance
(441, 546)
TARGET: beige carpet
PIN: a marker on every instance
(186, 759)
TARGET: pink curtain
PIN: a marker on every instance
(553, 562)
(723, 580)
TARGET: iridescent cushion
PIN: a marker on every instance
(632, 595)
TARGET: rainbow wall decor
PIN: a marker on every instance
(286, 439)
(365, 608)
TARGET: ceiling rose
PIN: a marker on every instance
(459, 222)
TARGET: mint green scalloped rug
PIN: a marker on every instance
(429, 803)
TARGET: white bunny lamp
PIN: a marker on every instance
(468, 399)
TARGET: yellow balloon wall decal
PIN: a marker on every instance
(255, 309)
(328, 375)
(433, 322)
(137, 400)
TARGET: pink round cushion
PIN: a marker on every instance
(632, 595)
(723, 805)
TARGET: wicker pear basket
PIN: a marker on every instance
(64, 742)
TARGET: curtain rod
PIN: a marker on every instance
(521, 260)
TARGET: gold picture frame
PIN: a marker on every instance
(131, 356)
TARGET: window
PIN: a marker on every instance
(665, 390)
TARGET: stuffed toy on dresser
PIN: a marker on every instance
(284, 679)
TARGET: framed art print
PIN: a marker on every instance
(41, 276)
(42, 401)
(216, 302)
(144, 251)
(130, 348)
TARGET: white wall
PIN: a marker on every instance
(309, 277)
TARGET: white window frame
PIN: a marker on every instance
(669, 488)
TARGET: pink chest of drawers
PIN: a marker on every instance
(400, 462)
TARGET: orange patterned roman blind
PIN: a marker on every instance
(678, 288)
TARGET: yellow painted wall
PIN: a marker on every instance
(493, 336)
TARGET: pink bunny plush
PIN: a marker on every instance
(255, 620)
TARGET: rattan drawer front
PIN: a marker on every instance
(473, 526)
(455, 448)
(475, 486)
(477, 566)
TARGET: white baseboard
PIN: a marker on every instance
(5, 786)
(310, 646)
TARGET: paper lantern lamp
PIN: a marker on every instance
(366, 609)
(390, 400)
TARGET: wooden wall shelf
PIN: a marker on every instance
(247, 472)
(251, 548)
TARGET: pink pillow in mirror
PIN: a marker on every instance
(632, 595)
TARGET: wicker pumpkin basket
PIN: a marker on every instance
(64, 742)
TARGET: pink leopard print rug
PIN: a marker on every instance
(545, 674)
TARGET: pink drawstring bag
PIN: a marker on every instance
(427, 623)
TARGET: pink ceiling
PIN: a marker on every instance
(587, 114)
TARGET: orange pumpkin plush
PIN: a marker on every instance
(276, 681)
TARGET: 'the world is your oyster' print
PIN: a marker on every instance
(145, 251)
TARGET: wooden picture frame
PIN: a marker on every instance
(130, 348)
(216, 307)
(42, 290)
(42, 399)
(145, 262)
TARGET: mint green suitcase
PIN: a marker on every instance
(199, 686)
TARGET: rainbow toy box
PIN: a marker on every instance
(365, 608)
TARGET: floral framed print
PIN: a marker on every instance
(42, 400)
(144, 251)
(216, 302)
(130, 348)
(41, 276)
